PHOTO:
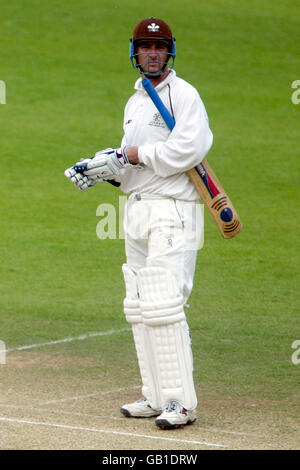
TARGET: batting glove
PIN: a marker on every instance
(81, 181)
(106, 164)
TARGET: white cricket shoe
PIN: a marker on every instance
(139, 409)
(175, 416)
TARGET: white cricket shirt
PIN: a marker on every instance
(166, 155)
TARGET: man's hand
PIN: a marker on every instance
(106, 164)
(81, 181)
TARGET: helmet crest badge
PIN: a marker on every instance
(153, 28)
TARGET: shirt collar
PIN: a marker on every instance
(171, 75)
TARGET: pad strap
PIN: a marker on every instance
(131, 302)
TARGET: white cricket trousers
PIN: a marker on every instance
(164, 232)
(162, 236)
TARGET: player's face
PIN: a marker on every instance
(152, 55)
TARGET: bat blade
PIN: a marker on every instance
(216, 200)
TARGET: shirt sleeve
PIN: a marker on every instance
(123, 141)
(187, 144)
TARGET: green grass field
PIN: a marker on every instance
(68, 77)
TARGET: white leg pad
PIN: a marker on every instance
(163, 315)
(140, 335)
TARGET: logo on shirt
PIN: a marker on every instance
(153, 28)
(157, 121)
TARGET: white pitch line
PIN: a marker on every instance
(114, 418)
(66, 340)
(119, 433)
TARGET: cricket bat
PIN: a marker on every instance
(204, 179)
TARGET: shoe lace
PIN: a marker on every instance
(142, 399)
(173, 406)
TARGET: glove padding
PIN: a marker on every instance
(106, 164)
(81, 181)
